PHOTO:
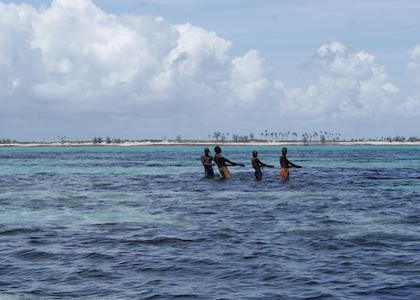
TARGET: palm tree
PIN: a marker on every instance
(216, 135)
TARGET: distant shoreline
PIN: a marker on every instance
(208, 143)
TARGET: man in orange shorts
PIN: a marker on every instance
(285, 164)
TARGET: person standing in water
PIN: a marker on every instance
(222, 163)
(257, 165)
(206, 160)
(285, 164)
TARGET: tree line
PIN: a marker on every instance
(218, 136)
(276, 136)
(306, 137)
(8, 141)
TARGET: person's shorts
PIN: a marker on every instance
(284, 173)
(224, 171)
(208, 172)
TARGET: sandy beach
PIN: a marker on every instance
(210, 143)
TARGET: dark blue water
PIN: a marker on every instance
(140, 222)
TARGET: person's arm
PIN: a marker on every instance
(205, 163)
(233, 163)
(268, 166)
(265, 165)
(292, 165)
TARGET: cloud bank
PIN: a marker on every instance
(73, 62)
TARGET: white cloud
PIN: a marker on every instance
(198, 59)
(350, 85)
(74, 57)
(87, 50)
(352, 82)
(341, 61)
(247, 79)
(411, 108)
(415, 53)
(84, 58)
(414, 63)
(18, 62)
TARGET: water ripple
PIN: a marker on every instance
(141, 222)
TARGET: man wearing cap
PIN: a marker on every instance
(206, 160)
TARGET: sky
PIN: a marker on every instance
(138, 69)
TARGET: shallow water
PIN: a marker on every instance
(140, 222)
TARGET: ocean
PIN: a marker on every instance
(142, 223)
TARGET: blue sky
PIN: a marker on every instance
(239, 66)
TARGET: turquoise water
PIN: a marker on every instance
(140, 222)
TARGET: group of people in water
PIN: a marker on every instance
(222, 163)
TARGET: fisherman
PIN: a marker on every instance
(285, 164)
(206, 160)
(257, 164)
(222, 163)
